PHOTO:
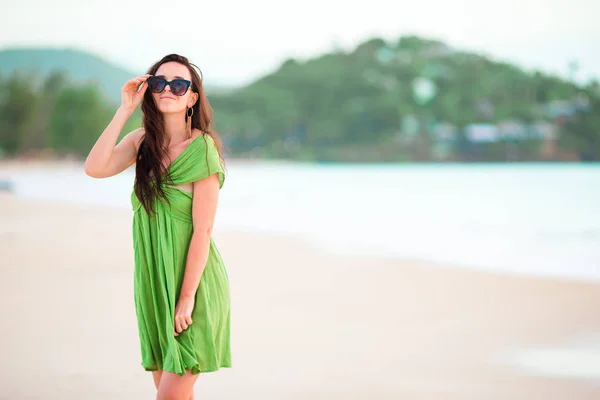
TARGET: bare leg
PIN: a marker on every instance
(156, 376)
(175, 387)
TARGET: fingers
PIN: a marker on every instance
(143, 78)
(178, 327)
(143, 88)
(182, 322)
(135, 82)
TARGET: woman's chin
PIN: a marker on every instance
(169, 109)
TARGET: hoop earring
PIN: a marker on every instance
(189, 121)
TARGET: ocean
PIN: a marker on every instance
(532, 219)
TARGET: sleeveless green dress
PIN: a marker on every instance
(161, 245)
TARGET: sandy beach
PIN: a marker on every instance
(305, 324)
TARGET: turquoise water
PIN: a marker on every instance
(519, 218)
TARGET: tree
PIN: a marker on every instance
(35, 135)
(80, 115)
(582, 130)
(17, 107)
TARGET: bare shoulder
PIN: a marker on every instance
(136, 137)
(196, 132)
(207, 137)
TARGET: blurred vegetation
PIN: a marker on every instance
(52, 116)
(79, 66)
(380, 102)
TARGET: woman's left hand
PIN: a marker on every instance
(183, 314)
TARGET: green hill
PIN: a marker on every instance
(412, 99)
(388, 100)
(79, 66)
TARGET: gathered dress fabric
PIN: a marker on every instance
(161, 244)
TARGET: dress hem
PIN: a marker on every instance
(194, 370)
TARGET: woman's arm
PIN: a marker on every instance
(204, 209)
(106, 159)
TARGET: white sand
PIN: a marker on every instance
(306, 325)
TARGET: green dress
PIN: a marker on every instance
(161, 245)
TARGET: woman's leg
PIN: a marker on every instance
(156, 376)
(175, 387)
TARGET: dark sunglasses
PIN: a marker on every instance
(178, 86)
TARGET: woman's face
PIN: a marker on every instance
(166, 101)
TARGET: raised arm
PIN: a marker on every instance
(105, 159)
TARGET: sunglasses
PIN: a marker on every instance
(179, 87)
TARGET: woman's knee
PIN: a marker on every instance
(174, 393)
(164, 394)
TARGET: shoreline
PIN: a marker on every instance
(20, 162)
(366, 256)
(585, 273)
(313, 244)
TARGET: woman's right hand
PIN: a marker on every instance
(131, 97)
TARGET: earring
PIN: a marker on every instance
(189, 121)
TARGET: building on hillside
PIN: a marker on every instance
(444, 137)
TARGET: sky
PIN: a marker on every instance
(235, 42)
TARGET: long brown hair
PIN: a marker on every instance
(149, 170)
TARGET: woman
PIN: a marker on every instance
(181, 286)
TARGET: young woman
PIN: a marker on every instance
(181, 286)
